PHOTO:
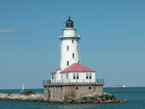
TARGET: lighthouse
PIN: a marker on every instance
(71, 69)
(71, 79)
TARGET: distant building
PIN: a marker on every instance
(71, 80)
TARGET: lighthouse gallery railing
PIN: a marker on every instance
(74, 81)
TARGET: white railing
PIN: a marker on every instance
(74, 81)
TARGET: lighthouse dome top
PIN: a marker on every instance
(69, 20)
(69, 23)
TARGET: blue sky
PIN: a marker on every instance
(112, 40)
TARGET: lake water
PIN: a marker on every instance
(134, 95)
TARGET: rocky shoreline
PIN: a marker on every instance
(97, 99)
(37, 97)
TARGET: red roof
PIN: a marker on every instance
(53, 72)
(76, 67)
(58, 69)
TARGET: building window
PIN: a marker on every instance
(67, 48)
(86, 75)
(69, 25)
(77, 48)
(90, 75)
(78, 61)
(52, 76)
(73, 55)
(76, 88)
(67, 76)
(73, 75)
(67, 63)
(77, 75)
(72, 41)
(89, 88)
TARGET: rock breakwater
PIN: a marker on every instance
(96, 99)
(37, 97)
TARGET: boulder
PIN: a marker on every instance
(89, 100)
(95, 101)
(84, 98)
(41, 99)
(108, 96)
(101, 101)
(79, 101)
(98, 99)
(96, 96)
(110, 101)
(124, 100)
(28, 92)
(103, 98)
(67, 100)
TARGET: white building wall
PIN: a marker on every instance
(53, 80)
(69, 32)
(82, 77)
(58, 75)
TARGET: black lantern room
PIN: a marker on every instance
(69, 23)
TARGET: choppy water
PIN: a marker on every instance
(134, 95)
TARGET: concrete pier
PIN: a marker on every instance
(59, 91)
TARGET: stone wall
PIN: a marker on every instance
(71, 90)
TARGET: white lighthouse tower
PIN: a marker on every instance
(69, 46)
(70, 68)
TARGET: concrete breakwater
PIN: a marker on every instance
(37, 97)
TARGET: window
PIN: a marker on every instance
(67, 76)
(69, 25)
(67, 63)
(72, 41)
(90, 75)
(74, 76)
(73, 55)
(77, 75)
(86, 75)
(78, 61)
(52, 76)
(89, 88)
(67, 48)
(76, 88)
(77, 48)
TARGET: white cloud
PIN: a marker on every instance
(13, 31)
